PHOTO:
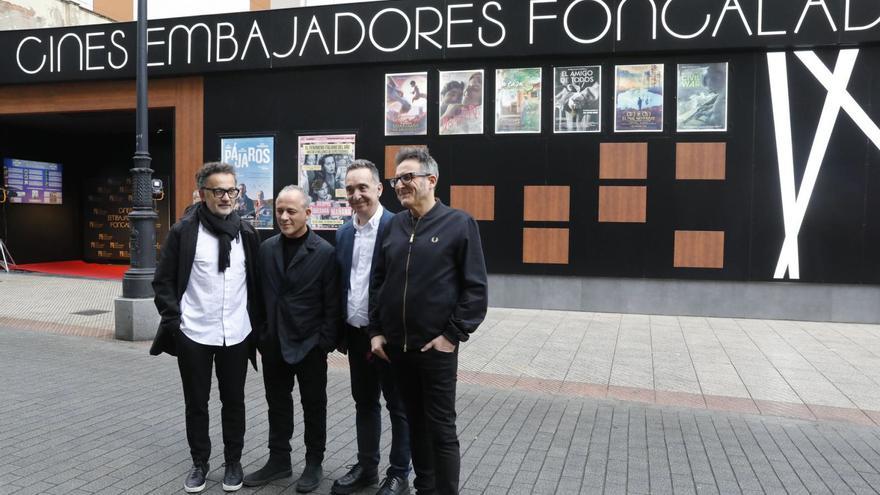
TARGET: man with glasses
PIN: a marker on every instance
(358, 245)
(206, 293)
(300, 285)
(429, 293)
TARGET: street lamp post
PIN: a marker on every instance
(136, 317)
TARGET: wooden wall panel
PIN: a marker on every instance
(546, 203)
(700, 161)
(261, 5)
(545, 246)
(118, 10)
(391, 153)
(479, 201)
(623, 204)
(185, 95)
(623, 161)
(699, 249)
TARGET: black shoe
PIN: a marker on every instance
(195, 482)
(274, 469)
(232, 478)
(310, 478)
(394, 485)
(353, 480)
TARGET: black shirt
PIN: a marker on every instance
(291, 246)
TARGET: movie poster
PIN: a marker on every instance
(518, 101)
(323, 161)
(406, 104)
(254, 162)
(702, 97)
(577, 100)
(638, 98)
(461, 102)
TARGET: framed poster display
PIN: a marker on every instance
(518, 101)
(461, 102)
(577, 99)
(406, 104)
(702, 97)
(322, 163)
(254, 160)
(30, 182)
(638, 98)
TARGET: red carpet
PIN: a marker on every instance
(76, 269)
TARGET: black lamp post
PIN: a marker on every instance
(136, 284)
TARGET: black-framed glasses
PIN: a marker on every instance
(406, 178)
(218, 192)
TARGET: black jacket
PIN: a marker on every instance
(172, 276)
(430, 279)
(301, 300)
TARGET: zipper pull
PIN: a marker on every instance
(412, 237)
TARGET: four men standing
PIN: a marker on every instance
(413, 287)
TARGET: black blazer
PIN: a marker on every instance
(301, 300)
(172, 276)
(345, 250)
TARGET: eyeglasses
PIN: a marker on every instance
(232, 192)
(405, 178)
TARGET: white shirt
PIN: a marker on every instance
(213, 310)
(361, 262)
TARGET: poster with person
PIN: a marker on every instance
(406, 104)
(461, 102)
(254, 160)
(518, 101)
(638, 98)
(702, 97)
(577, 99)
(322, 162)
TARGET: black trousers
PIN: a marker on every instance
(370, 377)
(195, 362)
(427, 383)
(311, 374)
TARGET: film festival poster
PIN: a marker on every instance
(254, 162)
(638, 98)
(577, 99)
(702, 97)
(461, 102)
(518, 101)
(406, 104)
(323, 161)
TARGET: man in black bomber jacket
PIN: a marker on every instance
(429, 293)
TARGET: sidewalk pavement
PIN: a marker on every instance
(813, 371)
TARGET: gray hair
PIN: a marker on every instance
(307, 201)
(212, 168)
(364, 164)
(427, 164)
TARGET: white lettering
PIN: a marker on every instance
(736, 6)
(189, 34)
(620, 19)
(761, 31)
(427, 34)
(533, 18)
(450, 22)
(494, 21)
(336, 50)
(153, 43)
(815, 3)
(373, 25)
(314, 28)
(679, 35)
(592, 40)
(255, 33)
(90, 48)
(113, 37)
(18, 56)
(850, 27)
(295, 38)
(80, 52)
(230, 36)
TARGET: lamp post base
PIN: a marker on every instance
(136, 319)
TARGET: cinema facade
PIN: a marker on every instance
(697, 157)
